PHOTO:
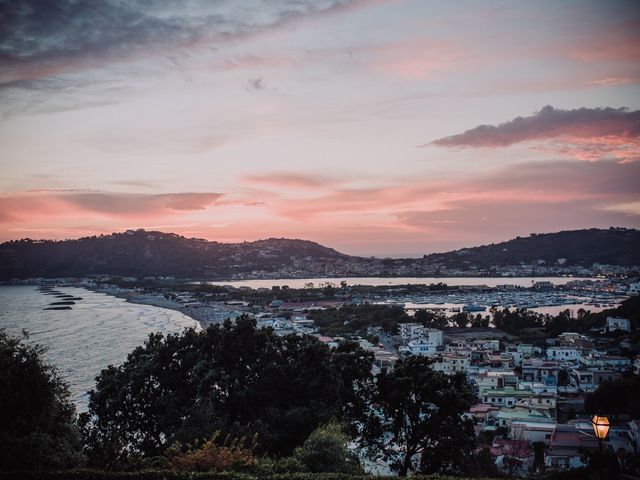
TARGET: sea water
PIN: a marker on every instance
(98, 331)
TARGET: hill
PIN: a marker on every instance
(613, 246)
(142, 253)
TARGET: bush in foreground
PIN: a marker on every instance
(37, 418)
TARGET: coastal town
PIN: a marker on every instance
(531, 380)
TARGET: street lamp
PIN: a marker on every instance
(601, 428)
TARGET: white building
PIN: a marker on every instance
(416, 347)
(496, 379)
(613, 362)
(532, 431)
(410, 331)
(433, 335)
(450, 363)
(516, 356)
(617, 323)
(416, 332)
(537, 370)
(589, 380)
(504, 397)
(570, 354)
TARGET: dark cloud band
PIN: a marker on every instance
(550, 123)
(45, 35)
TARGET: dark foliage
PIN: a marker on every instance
(514, 321)
(143, 253)
(168, 475)
(151, 253)
(37, 419)
(233, 378)
(614, 246)
(325, 451)
(421, 409)
(356, 318)
(618, 397)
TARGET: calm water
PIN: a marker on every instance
(448, 308)
(378, 281)
(100, 330)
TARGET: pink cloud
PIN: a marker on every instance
(53, 203)
(290, 180)
(417, 59)
(617, 42)
(612, 81)
(546, 184)
(584, 133)
(492, 221)
(407, 214)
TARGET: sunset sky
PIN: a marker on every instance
(373, 127)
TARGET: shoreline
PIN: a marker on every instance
(205, 316)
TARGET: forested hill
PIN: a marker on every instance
(142, 253)
(614, 246)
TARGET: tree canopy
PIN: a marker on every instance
(418, 423)
(325, 451)
(232, 378)
(617, 397)
(37, 418)
(356, 318)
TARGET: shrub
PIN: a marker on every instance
(211, 455)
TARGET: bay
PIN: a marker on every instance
(99, 330)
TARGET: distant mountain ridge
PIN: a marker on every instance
(145, 253)
(613, 246)
(148, 253)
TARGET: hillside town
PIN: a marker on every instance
(531, 385)
(530, 399)
(142, 253)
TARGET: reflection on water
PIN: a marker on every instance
(99, 330)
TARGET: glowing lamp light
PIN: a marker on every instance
(600, 426)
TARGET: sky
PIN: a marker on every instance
(376, 127)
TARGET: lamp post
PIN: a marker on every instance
(601, 428)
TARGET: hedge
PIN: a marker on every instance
(169, 475)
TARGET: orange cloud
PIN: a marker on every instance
(406, 215)
(38, 204)
(545, 184)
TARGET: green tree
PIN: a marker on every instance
(355, 383)
(618, 397)
(418, 425)
(325, 451)
(37, 419)
(234, 378)
(430, 319)
(461, 319)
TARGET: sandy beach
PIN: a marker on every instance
(210, 314)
